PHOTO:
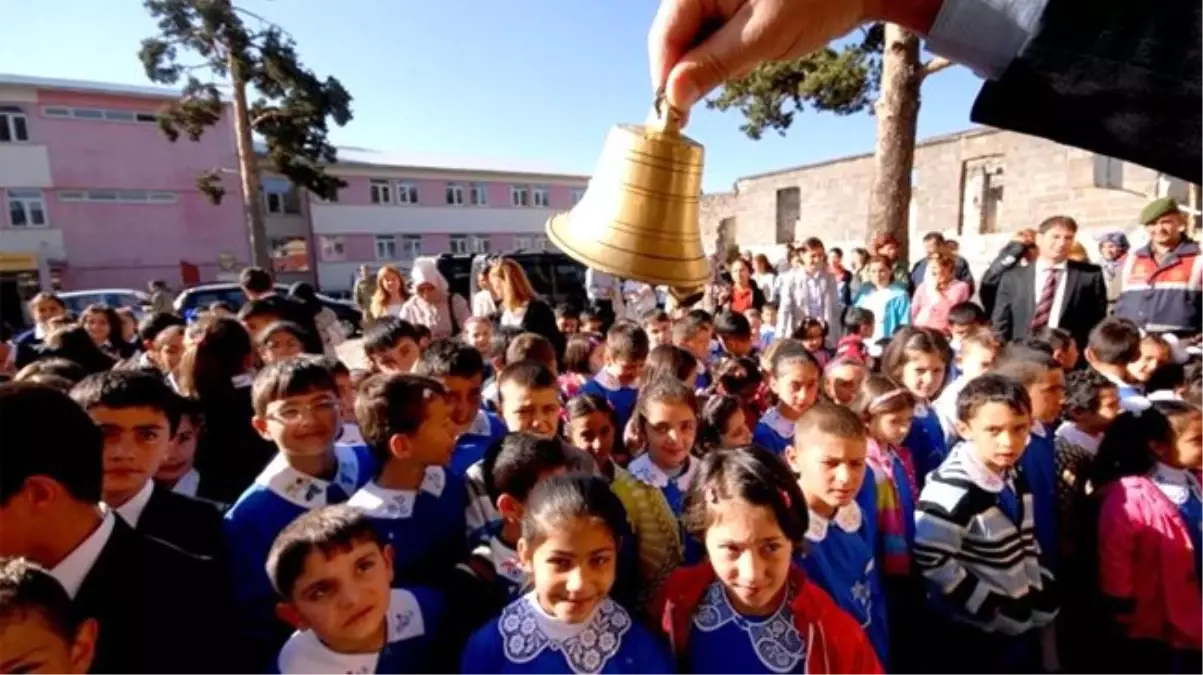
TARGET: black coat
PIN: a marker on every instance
(191, 524)
(1083, 306)
(539, 318)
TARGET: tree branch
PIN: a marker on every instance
(935, 65)
(263, 21)
(270, 114)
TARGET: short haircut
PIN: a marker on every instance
(983, 337)
(1057, 221)
(328, 530)
(933, 236)
(690, 325)
(27, 588)
(967, 313)
(656, 315)
(836, 250)
(450, 358)
(1025, 365)
(1031, 343)
(790, 352)
(69, 450)
(992, 388)
(268, 306)
(119, 389)
(387, 405)
(567, 311)
(156, 322)
(386, 333)
(1167, 377)
(831, 419)
(730, 323)
(1059, 338)
(856, 317)
(289, 327)
(528, 375)
(530, 347)
(1115, 341)
(812, 244)
(58, 367)
(1082, 389)
(664, 390)
(256, 280)
(626, 340)
(519, 462)
(291, 377)
(337, 368)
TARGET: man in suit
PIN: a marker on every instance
(1053, 291)
(159, 609)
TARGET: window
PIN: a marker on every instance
(455, 194)
(480, 194)
(539, 243)
(281, 196)
(382, 192)
(519, 195)
(386, 247)
(290, 254)
(521, 243)
(14, 127)
(577, 195)
(411, 246)
(481, 245)
(26, 208)
(87, 113)
(334, 249)
(407, 193)
(105, 114)
(121, 196)
(459, 244)
(539, 197)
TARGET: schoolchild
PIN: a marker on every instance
(793, 376)
(461, 370)
(626, 353)
(917, 358)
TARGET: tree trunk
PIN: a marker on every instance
(248, 171)
(897, 111)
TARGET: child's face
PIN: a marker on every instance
(527, 409)
(463, 397)
(892, 427)
(1187, 452)
(129, 327)
(697, 344)
(255, 324)
(625, 370)
(813, 339)
(97, 325)
(736, 433)
(434, 439)
(813, 259)
(592, 324)
(568, 325)
(769, 317)
(45, 310)
(479, 334)
(593, 433)
(1068, 355)
(1048, 394)
(346, 396)
(880, 274)
(400, 358)
(831, 468)
(958, 331)
(304, 425)
(1152, 356)
(998, 433)
(670, 428)
(736, 345)
(279, 346)
(975, 359)
(750, 555)
(168, 349)
(843, 381)
(29, 644)
(180, 453)
(573, 567)
(136, 441)
(597, 359)
(796, 386)
(659, 332)
(343, 597)
(923, 374)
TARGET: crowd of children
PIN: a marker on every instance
(679, 493)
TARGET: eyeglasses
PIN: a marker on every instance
(295, 414)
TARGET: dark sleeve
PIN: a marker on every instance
(1097, 305)
(1001, 317)
(1120, 79)
(540, 319)
(1007, 257)
(917, 273)
(757, 297)
(963, 273)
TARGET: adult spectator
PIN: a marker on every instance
(161, 299)
(745, 292)
(1162, 283)
(765, 276)
(1113, 252)
(365, 286)
(520, 307)
(433, 304)
(329, 328)
(843, 276)
(1018, 252)
(934, 243)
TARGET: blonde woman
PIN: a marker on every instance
(519, 305)
(432, 304)
(390, 293)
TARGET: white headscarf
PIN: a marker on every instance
(426, 271)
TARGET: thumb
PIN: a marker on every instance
(723, 56)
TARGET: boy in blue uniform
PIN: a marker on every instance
(415, 504)
(692, 333)
(332, 575)
(626, 352)
(296, 407)
(391, 346)
(734, 335)
(461, 371)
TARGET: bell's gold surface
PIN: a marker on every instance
(638, 219)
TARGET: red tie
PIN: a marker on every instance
(1045, 306)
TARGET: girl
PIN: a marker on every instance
(812, 333)
(666, 422)
(569, 550)
(724, 424)
(794, 379)
(281, 340)
(329, 328)
(390, 293)
(129, 326)
(842, 379)
(917, 358)
(889, 302)
(750, 609)
(433, 305)
(582, 360)
(741, 377)
(1154, 353)
(939, 292)
(1148, 529)
(671, 361)
(42, 308)
(104, 327)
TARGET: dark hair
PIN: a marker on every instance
(156, 322)
(256, 280)
(578, 352)
(303, 292)
(737, 375)
(1030, 343)
(268, 306)
(75, 344)
(1082, 389)
(808, 323)
(519, 461)
(58, 367)
(1025, 365)
(1059, 338)
(386, 333)
(836, 250)
(526, 374)
(387, 405)
(717, 411)
(691, 324)
(967, 313)
(669, 361)
(856, 317)
(729, 323)
(221, 304)
(656, 315)
(289, 327)
(69, 450)
(291, 377)
(27, 588)
(933, 236)
(912, 339)
(531, 347)
(831, 419)
(110, 316)
(220, 353)
(450, 358)
(565, 310)
(1194, 383)
(328, 530)
(879, 395)
(626, 340)
(791, 352)
(567, 497)
(662, 390)
(1126, 448)
(337, 368)
(992, 388)
(1167, 377)
(1115, 341)
(119, 389)
(423, 332)
(1057, 221)
(752, 475)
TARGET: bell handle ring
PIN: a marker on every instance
(664, 119)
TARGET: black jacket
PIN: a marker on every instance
(188, 523)
(1083, 306)
(1008, 258)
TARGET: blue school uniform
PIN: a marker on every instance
(277, 497)
(1182, 488)
(525, 639)
(925, 440)
(425, 526)
(774, 432)
(721, 640)
(509, 577)
(470, 447)
(413, 619)
(1039, 467)
(674, 489)
(621, 398)
(349, 434)
(839, 559)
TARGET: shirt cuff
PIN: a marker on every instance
(984, 35)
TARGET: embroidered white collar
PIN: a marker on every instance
(848, 518)
(982, 476)
(480, 426)
(526, 631)
(1178, 485)
(774, 420)
(305, 653)
(350, 434)
(647, 471)
(307, 491)
(505, 560)
(775, 639)
(379, 502)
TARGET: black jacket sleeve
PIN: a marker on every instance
(1007, 258)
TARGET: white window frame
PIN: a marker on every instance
(481, 245)
(118, 196)
(120, 115)
(454, 193)
(522, 243)
(380, 192)
(520, 195)
(540, 197)
(333, 247)
(480, 194)
(411, 246)
(407, 192)
(27, 199)
(458, 244)
(9, 115)
(577, 195)
(386, 247)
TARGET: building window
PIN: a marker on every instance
(386, 247)
(290, 254)
(459, 244)
(539, 243)
(411, 246)
(333, 199)
(281, 196)
(14, 126)
(480, 194)
(104, 114)
(577, 195)
(118, 196)
(539, 197)
(382, 192)
(519, 195)
(521, 243)
(481, 245)
(26, 208)
(334, 249)
(407, 193)
(455, 194)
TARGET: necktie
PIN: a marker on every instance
(1044, 307)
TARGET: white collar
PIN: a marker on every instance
(504, 559)
(307, 491)
(527, 631)
(848, 518)
(305, 653)
(39, 331)
(379, 502)
(1038, 429)
(481, 426)
(350, 434)
(243, 381)
(1075, 436)
(977, 472)
(774, 420)
(775, 639)
(1043, 265)
(188, 484)
(132, 510)
(72, 570)
(607, 381)
(647, 471)
(1178, 485)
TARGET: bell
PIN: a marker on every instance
(638, 219)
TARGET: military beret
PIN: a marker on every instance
(1158, 208)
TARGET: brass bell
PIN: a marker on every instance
(638, 219)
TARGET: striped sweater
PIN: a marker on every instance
(976, 547)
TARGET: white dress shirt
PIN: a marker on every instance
(188, 484)
(73, 569)
(1042, 269)
(132, 510)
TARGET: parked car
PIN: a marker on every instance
(199, 297)
(78, 301)
(554, 276)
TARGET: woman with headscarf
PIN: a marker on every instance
(324, 318)
(432, 304)
(1113, 249)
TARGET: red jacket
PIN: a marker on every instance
(835, 642)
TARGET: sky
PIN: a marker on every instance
(533, 80)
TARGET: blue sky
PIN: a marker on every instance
(540, 80)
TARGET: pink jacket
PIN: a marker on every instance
(1146, 558)
(929, 307)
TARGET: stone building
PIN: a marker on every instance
(977, 186)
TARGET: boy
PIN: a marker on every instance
(460, 369)
(978, 351)
(413, 502)
(755, 324)
(40, 632)
(592, 320)
(1091, 404)
(974, 540)
(391, 346)
(768, 324)
(1113, 344)
(734, 334)
(962, 318)
(262, 312)
(178, 471)
(138, 415)
(295, 407)
(332, 575)
(692, 333)
(626, 352)
(568, 319)
(658, 326)
(860, 322)
(1065, 349)
(809, 289)
(349, 431)
(478, 332)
